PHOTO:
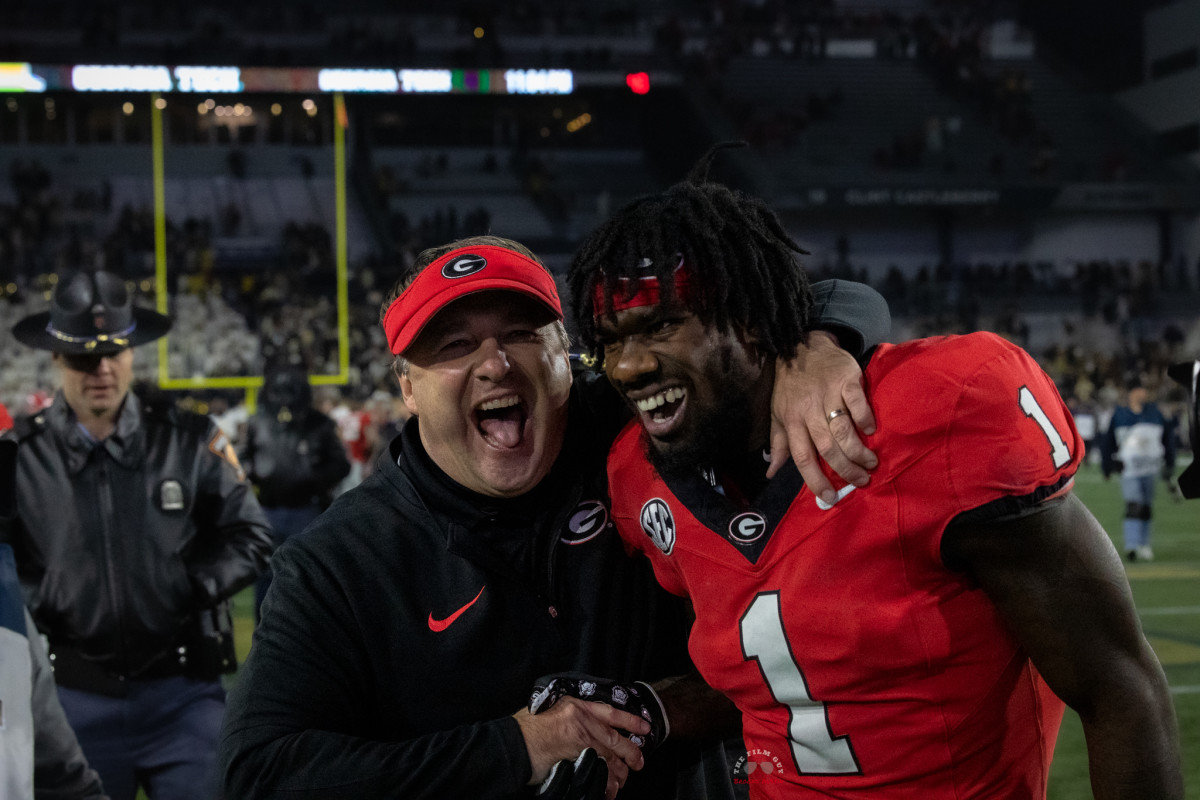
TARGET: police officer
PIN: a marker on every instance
(134, 525)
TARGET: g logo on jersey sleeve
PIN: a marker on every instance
(586, 522)
(658, 524)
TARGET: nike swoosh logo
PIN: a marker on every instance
(439, 625)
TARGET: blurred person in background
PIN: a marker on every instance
(1139, 444)
(1187, 375)
(293, 455)
(1085, 422)
(353, 427)
(388, 415)
(40, 757)
(231, 417)
(135, 525)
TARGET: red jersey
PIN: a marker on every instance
(861, 664)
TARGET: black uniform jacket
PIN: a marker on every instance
(119, 543)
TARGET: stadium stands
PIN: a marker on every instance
(968, 196)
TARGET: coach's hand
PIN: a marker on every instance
(585, 778)
(571, 727)
(822, 380)
(636, 697)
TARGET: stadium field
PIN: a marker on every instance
(1167, 593)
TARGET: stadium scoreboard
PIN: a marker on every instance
(25, 77)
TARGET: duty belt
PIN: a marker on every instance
(73, 669)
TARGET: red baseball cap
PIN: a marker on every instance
(459, 273)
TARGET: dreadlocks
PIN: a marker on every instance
(745, 274)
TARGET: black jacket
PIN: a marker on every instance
(119, 543)
(363, 684)
(293, 460)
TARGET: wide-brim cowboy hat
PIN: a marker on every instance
(91, 313)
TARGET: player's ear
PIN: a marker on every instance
(752, 341)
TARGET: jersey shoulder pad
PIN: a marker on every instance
(933, 372)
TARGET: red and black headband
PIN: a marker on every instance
(641, 290)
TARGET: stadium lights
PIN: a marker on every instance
(579, 122)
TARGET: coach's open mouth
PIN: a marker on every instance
(501, 421)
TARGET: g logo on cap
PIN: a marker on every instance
(463, 266)
(433, 288)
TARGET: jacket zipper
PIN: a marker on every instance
(107, 515)
(552, 552)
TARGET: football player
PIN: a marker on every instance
(917, 638)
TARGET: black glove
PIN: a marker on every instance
(585, 778)
(636, 698)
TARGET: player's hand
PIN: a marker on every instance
(572, 726)
(636, 697)
(823, 378)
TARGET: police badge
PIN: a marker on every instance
(170, 495)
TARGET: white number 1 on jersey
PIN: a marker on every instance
(1058, 448)
(816, 750)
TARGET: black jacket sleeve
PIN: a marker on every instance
(331, 464)
(294, 723)
(855, 312)
(235, 541)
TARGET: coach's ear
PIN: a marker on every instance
(406, 391)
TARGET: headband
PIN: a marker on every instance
(458, 273)
(644, 290)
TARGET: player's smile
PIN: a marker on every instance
(661, 411)
(692, 387)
